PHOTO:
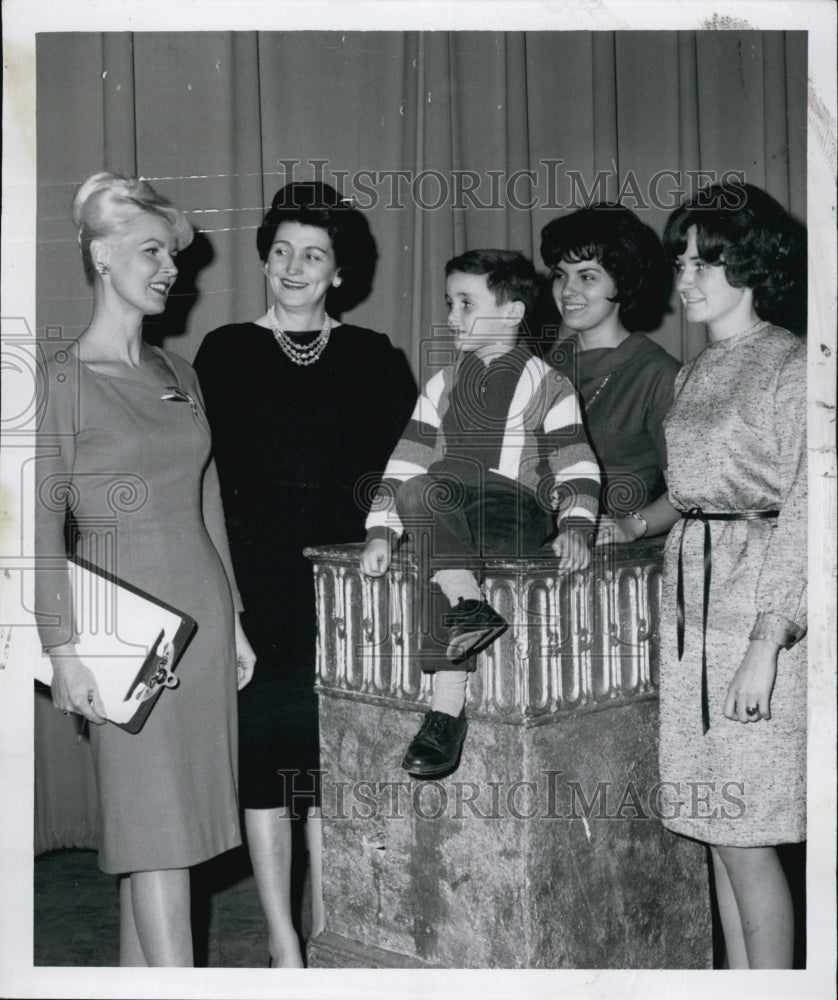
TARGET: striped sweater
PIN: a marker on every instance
(543, 447)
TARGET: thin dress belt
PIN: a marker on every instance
(697, 514)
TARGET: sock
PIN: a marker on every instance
(449, 693)
(457, 583)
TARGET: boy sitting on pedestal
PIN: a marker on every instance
(494, 461)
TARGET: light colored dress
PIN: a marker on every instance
(736, 441)
(135, 473)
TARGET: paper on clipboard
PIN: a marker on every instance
(128, 639)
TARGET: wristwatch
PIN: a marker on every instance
(644, 523)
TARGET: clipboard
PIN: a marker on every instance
(130, 640)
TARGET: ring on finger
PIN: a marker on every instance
(751, 710)
(90, 698)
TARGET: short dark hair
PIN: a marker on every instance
(509, 274)
(313, 203)
(626, 248)
(743, 229)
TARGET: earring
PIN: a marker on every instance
(102, 268)
(336, 281)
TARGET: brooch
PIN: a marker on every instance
(177, 395)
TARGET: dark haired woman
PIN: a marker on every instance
(733, 669)
(303, 410)
(611, 280)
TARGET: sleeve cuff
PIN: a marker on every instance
(381, 531)
(575, 523)
(777, 628)
(580, 521)
(48, 648)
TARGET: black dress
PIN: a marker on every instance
(298, 450)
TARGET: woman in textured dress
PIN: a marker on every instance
(304, 411)
(124, 462)
(610, 282)
(733, 666)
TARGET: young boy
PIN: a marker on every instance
(493, 461)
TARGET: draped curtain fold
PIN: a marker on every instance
(449, 140)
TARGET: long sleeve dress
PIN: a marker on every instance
(133, 472)
(626, 392)
(300, 451)
(736, 439)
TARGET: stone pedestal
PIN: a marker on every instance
(545, 848)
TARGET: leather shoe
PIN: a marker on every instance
(473, 625)
(435, 750)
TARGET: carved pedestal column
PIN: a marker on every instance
(545, 848)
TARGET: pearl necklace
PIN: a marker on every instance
(300, 354)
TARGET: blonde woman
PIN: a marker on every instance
(125, 464)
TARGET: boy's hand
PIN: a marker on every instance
(571, 549)
(375, 559)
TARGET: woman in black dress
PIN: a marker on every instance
(303, 409)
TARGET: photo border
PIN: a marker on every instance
(22, 20)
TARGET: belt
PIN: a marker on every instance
(697, 514)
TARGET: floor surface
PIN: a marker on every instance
(76, 912)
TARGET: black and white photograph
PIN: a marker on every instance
(419, 499)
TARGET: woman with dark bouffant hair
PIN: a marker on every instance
(733, 659)
(610, 282)
(305, 410)
(126, 482)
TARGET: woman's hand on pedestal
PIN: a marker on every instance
(619, 530)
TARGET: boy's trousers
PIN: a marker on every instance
(455, 525)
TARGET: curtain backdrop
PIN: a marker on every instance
(217, 119)
(434, 133)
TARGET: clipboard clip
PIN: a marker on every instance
(162, 676)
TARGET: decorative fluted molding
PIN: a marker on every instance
(579, 642)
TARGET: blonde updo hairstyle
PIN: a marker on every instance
(106, 202)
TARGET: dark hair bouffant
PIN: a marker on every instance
(626, 248)
(743, 229)
(313, 203)
(509, 274)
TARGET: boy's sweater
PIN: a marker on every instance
(537, 439)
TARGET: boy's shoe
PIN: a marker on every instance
(435, 750)
(473, 625)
